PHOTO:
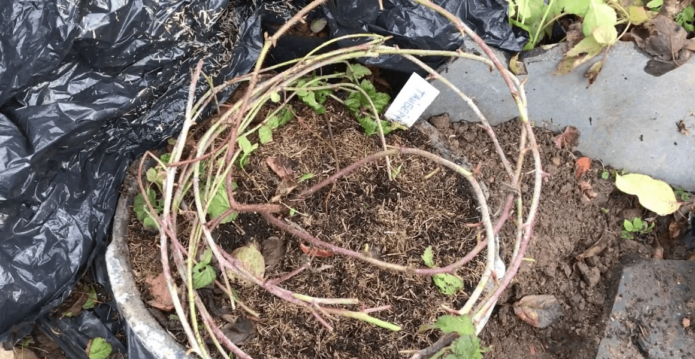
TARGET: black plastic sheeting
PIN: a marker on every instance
(87, 86)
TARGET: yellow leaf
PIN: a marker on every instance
(654, 195)
(605, 34)
(638, 15)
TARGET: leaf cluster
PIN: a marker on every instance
(466, 346)
(636, 226)
(447, 284)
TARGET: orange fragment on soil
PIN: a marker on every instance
(315, 252)
(582, 165)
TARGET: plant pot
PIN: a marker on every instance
(130, 305)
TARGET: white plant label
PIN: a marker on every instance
(411, 102)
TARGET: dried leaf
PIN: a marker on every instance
(286, 186)
(654, 195)
(595, 249)
(273, 251)
(593, 71)
(584, 51)
(315, 252)
(161, 298)
(567, 139)
(252, 260)
(242, 330)
(662, 38)
(280, 166)
(538, 310)
(586, 190)
(517, 66)
(675, 228)
(582, 166)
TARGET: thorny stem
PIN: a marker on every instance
(256, 96)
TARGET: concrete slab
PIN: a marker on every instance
(627, 118)
(652, 300)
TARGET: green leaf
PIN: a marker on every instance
(466, 347)
(598, 14)
(605, 34)
(142, 210)
(99, 348)
(166, 158)
(207, 256)
(203, 275)
(428, 257)
(318, 25)
(155, 176)
(685, 17)
(220, 204)
(447, 284)
(246, 146)
(265, 134)
(655, 4)
(380, 101)
(244, 160)
(637, 223)
(575, 7)
(91, 299)
(628, 226)
(357, 71)
(353, 103)
(275, 97)
(305, 177)
(463, 325)
(396, 171)
(310, 100)
(605, 175)
(654, 195)
(584, 51)
(369, 126)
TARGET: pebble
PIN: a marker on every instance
(556, 161)
(441, 122)
(591, 276)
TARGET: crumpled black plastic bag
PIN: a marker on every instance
(87, 86)
(415, 27)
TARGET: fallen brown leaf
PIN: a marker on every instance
(161, 298)
(538, 310)
(675, 228)
(595, 249)
(586, 190)
(315, 252)
(280, 166)
(241, 331)
(273, 251)
(682, 129)
(568, 138)
(582, 166)
(666, 41)
(593, 71)
(286, 186)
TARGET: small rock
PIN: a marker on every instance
(630, 214)
(461, 128)
(592, 261)
(469, 136)
(566, 268)
(686, 323)
(591, 276)
(556, 161)
(441, 122)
